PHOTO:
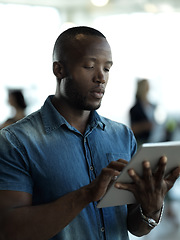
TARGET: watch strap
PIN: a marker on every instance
(150, 221)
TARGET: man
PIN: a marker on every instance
(59, 161)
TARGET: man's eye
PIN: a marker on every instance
(106, 69)
(88, 67)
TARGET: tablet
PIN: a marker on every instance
(148, 151)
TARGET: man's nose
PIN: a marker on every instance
(100, 77)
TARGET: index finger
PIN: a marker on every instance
(122, 161)
(118, 165)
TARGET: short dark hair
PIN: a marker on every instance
(65, 39)
(18, 97)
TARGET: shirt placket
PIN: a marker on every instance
(92, 176)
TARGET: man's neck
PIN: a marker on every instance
(76, 118)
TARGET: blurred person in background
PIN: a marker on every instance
(142, 113)
(17, 101)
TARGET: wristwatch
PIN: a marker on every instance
(150, 221)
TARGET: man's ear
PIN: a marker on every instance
(58, 70)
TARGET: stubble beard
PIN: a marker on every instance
(77, 100)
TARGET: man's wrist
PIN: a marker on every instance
(150, 221)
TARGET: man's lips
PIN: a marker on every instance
(98, 92)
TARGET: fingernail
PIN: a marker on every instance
(165, 159)
(131, 172)
(114, 178)
(147, 164)
(118, 185)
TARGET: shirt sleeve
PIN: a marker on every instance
(14, 165)
(133, 144)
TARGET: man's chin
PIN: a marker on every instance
(94, 107)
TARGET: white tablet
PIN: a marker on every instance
(151, 152)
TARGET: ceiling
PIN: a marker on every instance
(113, 7)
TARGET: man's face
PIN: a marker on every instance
(86, 72)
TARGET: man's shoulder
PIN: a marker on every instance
(110, 121)
(115, 125)
(31, 121)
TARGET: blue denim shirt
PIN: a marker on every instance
(45, 156)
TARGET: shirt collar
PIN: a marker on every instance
(52, 119)
(96, 120)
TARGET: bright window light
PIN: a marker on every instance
(28, 34)
(99, 3)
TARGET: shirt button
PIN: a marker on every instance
(102, 229)
(91, 168)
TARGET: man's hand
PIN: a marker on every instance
(99, 186)
(150, 189)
